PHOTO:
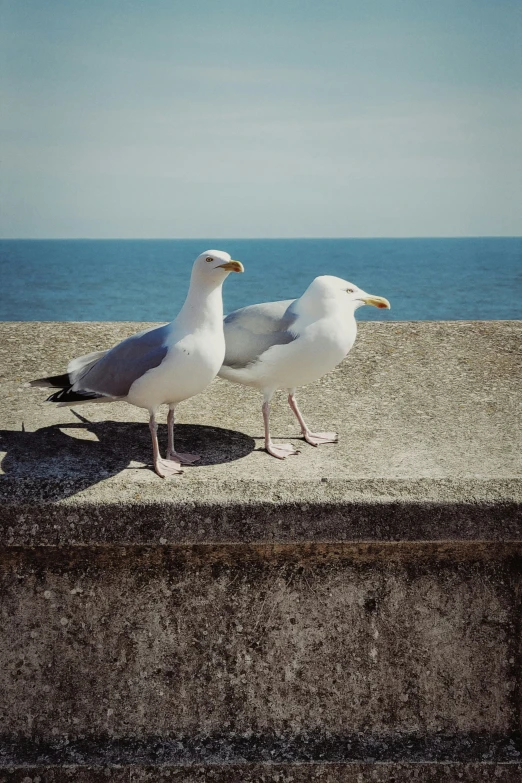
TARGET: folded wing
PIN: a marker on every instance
(110, 374)
(252, 330)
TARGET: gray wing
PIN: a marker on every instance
(78, 367)
(114, 373)
(252, 330)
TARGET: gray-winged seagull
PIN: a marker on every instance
(159, 366)
(288, 344)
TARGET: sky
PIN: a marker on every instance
(272, 118)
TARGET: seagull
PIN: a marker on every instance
(291, 343)
(159, 366)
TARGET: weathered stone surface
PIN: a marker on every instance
(84, 774)
(430, 447)
(190, 642)
(273, 773)
(352, 614)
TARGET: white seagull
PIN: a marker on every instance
(288, 344)
(159, 366)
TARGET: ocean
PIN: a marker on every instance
(146, 280)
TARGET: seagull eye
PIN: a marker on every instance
(209, 258)
(349, 290)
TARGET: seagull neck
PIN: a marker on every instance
(203, 305)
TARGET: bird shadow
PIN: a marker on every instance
(80, 454)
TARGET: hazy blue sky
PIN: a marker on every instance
(233, 118)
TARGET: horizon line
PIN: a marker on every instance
(257, 239)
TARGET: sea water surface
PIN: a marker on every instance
(147, 280)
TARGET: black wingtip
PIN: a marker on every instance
(53, 381)
(68, 395)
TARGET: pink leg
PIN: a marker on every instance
(314, 438)
(162, 467)
(185, 459)
(279, 450)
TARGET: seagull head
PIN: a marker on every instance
(213, 266)
(328, 289)
(360, 297)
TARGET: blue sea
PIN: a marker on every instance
(146, 280)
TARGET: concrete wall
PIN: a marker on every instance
(350, 614)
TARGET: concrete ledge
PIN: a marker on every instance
(300, 515)
(352, 614)
(430, 447)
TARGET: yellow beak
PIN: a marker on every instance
(376, 301)
(232, 266)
